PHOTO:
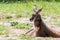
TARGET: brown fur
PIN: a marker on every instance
(41, 30)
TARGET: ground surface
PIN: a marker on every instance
(15, 34)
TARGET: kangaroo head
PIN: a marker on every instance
(36, 15)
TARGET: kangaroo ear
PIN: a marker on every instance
(39, 10)
(34, 8)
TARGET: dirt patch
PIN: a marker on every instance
(16, 32)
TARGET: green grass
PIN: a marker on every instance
(11, 39)
(25, 8)
(4, 30)
(23, 26)
(24, 37)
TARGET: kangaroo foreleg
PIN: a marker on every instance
(29, 31)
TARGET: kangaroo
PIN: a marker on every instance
(41, 30)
